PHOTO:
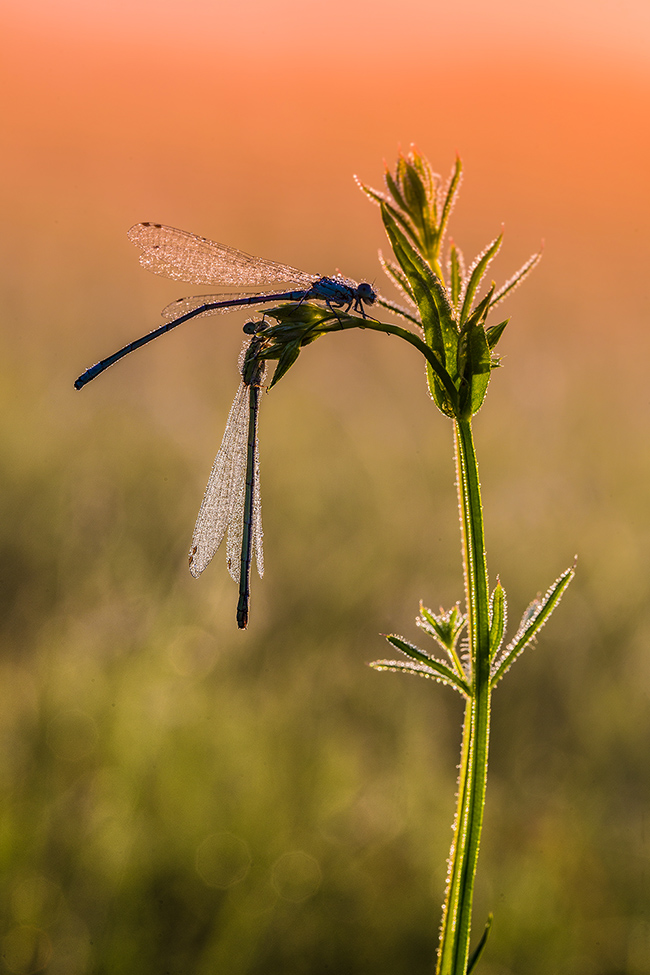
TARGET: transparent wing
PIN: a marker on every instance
(186, 257)
(224, 494)
(236, 532)
(184, 305)
(236, 525)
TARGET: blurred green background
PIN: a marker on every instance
(179, 797)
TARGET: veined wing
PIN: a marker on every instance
(182, 306)
(225, 489)
(187, 257)
(236, 526)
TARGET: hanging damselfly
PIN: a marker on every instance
(231, 503)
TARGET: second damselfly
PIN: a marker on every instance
(231, 503)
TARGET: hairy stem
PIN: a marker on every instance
(457, 911)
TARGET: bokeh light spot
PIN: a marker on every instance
(223, 860)
(296, 876)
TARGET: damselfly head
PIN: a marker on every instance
(252, 328)
(366, 293)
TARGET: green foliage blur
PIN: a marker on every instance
(178, 797)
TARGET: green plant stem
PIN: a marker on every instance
(457, 912)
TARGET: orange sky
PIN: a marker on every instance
(246, 121)
(164, 123)
(350, 30)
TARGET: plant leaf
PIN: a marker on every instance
(498, 616)
(435, 670)
(398, 310)
(397, 277)
(531, 624)
(375, 195)
(474, 367)
(476, 272)
(442, 671)
(480, 312)
(286, 359)
(415, 195)
(455, 273)
(494, 333)
(409, 649)
(420, 279)
(516, 279)
(478, 951)
(450, 197)
(394, 189)
(400, 219)
(445, 629)
(384, 201)
(429, 293)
